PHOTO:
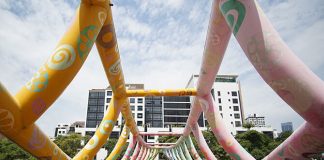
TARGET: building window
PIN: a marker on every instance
(133, 115)
(229, 100)
(92, 102)
(101, 101)
(140, 100)
(238, 124)
(100, 115)
(140, 108)
(237, 116)
(231, 115)
(91, 124)
(219, 100)
(92, 108)
(132, 100)
(221, 115)
(139, 115)
(234, 93)
(236, 108)
(108, 100)
(231, 122)
(218, 93)
(101, 108)
(235, 100)
(109, 93)
(93, 94)
(101, 94)
(132, 108)
(91, 116)
(230, 107)
(139, 123)
(220, 108)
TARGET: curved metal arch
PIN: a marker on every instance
(258, 39)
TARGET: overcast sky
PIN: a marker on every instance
(161, 45)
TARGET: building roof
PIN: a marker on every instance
(79, 123)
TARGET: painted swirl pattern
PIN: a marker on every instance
(93, 142)
(105, 125)
(39, 82)
(7, 120)
(37, 141)
(63, 57)
(234, 12)
(115, 69)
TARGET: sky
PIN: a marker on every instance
(161, 45)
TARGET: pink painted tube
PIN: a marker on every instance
(202, 142)
(218, 36)
(224, 138)
(146, 151)
(192, 149)
(284, 72)
(193, 117)
(142, 152)
(136, 151)
(305, 142)
(129, 150)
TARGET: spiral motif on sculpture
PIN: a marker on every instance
(102, 17)
(38, 106)
(235, 156)
(39, 82)
(204, 105)
(93, 142)
(294, 92)
(264, 51)
(37, 141)
(55, 151)
(234, 12)
(7, 120)
(63, 57)
(125, 132)
(115, 68)
(105, 126)
(310, 141)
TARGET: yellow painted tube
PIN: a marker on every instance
(31, 138)
(167, 92)
(102, 133)
(66, 60)
(119, 145)
(109, 54)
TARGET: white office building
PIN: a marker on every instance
(226, 92)
(256, 120)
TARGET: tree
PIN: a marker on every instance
(283, 136)
(248, 125)
(10, 151)
(70, 144)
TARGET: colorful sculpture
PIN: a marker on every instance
(93, 23)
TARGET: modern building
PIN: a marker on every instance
(256, 120)
(226, 92)
(65, 129)
(287, 126)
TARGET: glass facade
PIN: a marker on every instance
(153, 111)
(176, 111)
(96, 104)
